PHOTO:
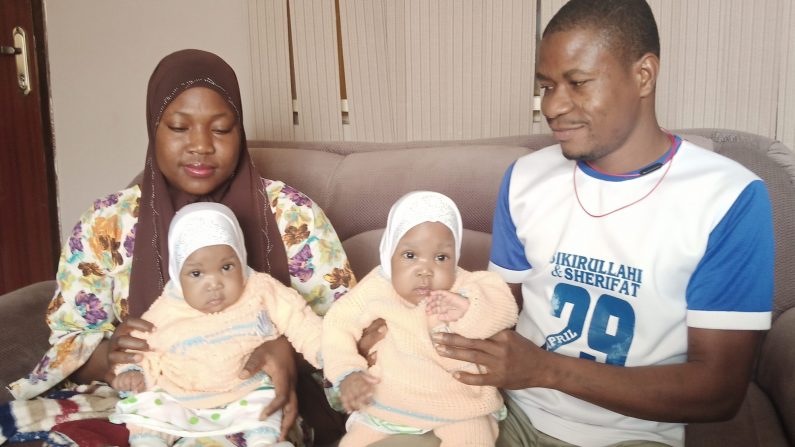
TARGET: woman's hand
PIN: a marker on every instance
(371, 335)
(277, 359)
(119, 349)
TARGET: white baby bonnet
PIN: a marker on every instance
(199, 225)
(413, 209)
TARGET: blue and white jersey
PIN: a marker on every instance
(622, 289)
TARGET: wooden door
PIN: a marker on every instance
(28, 218)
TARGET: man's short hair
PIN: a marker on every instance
(627, 26)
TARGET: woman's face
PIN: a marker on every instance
(197, 142)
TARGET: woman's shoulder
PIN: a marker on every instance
(282, 195)
(124, 201)
(113, 212)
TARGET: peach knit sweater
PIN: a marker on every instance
(196, 357)
(417, 388)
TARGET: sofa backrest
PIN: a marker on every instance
(357, 183)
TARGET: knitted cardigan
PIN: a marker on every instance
(196, 357)
(416, 388)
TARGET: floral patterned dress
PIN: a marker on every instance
(94, 275)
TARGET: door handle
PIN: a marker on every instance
(20, 52)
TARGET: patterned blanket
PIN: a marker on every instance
(28, 420)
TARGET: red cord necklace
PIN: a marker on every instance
(668, 160)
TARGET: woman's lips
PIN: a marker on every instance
(199, 171)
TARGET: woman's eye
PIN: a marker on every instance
(222, 131)
(177, 128)
(578, 83)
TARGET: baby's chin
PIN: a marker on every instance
(215, 305)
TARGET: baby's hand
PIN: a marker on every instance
(446, 306)
(129, 381)
(356, 390)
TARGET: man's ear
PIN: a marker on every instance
(647, 68)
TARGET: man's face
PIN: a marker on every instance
(591, 97)
(424, 261)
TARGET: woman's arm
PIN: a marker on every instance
(92, 277)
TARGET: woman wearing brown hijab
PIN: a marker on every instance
(115, 263)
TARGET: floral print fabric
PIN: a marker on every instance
(94, 274)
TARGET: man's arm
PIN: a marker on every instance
(709, 386)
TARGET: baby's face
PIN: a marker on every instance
(424, 260)
(212, 278)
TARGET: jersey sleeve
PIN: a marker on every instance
(732, 286)
(507, 251)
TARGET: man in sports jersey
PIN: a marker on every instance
(644, 262)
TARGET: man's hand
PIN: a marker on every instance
(277, 359)
(509, 360)
(356, 390)
(370, 337)
(709, 386)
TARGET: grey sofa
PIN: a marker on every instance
(356, 183)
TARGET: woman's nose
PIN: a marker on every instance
(201, 142)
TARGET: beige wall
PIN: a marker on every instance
(413, 70)
(101, 55)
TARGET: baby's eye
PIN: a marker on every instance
(194, 273)
(442, 258)
(228, 267)
(409, 255)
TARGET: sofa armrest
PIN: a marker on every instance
(23, 339)
(776, 364)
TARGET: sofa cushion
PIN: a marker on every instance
(776, 366)
(756, 424)
(25, 332)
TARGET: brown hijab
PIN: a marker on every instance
(244, 192)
